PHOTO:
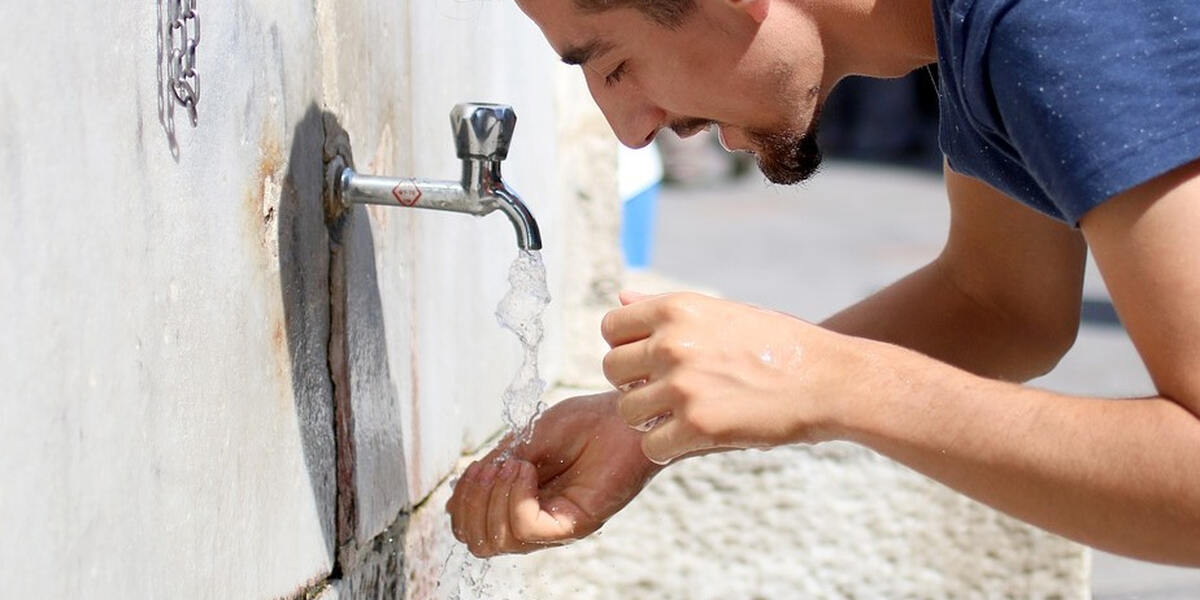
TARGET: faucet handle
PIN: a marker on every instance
(483, 130)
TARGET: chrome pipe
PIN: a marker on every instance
(482, 133)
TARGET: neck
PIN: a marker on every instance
(877, 38)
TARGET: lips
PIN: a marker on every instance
(721, 138)
(725, 143)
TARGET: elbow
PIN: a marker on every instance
(1043, 341)
(1052, 344)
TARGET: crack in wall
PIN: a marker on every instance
(362, 568)
(337, 145)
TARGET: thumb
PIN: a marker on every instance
(629, 297)
(533, 523)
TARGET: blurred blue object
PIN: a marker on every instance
(639, 177)
(637, 227)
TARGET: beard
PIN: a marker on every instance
(787, 157)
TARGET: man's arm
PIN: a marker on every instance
(1123, 475)
(1117, 474)
(1002, 300)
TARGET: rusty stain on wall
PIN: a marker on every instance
(263, 197)
(382, 163)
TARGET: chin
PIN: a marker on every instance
(788, 158)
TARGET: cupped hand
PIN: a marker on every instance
(704, 374)
(581, 466)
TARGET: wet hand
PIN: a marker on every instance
(582, 465)
(706, 374)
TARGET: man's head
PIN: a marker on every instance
(668, 13)
(756, 69)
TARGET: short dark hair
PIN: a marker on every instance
(668, 13)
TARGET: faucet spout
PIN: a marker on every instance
(529, 237)
(482, 132)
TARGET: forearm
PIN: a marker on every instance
(928, 313)
(1115, 474)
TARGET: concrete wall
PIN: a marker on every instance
(183, 331)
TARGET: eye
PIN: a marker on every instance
(615, 76)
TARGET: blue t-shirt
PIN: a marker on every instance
(1063, 104)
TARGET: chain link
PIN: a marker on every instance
(183, 33)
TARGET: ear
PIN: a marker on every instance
(756, 9)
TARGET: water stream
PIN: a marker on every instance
(520, 311)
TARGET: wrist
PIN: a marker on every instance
(895, 394)
(867, 374)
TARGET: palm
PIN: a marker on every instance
(589, 462)
(596, 467)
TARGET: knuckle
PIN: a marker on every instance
(703, 427)
(672, 308)
(675, 388)
(694, 420)
(680, 306)
(608, 365)
(608, 326)
(670, 350)
(627, 409)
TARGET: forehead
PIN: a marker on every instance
(567, 28)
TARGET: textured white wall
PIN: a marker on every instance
(427, 359)
(167, 424)
(164, 425)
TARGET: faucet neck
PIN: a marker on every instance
(481, 177)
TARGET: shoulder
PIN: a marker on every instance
(1095, 96)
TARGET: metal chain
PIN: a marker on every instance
(183, 33)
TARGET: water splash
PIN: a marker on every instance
(520, 311)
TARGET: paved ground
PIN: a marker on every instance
(854, 229)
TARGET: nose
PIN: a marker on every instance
(635, 130)
(633, 118)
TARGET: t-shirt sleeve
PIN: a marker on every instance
(1097, 97)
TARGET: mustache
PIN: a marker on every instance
(690, 126)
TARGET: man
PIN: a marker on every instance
(1067, 124)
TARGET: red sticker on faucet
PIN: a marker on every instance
(406, 192)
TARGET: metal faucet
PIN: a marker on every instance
(482, 133)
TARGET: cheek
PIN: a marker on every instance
(685, 91)
(606, 108)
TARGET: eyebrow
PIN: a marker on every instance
(579, 55)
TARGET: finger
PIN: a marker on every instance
(475, 508)
(492, 455)
(628, 297)
(531, 524)
(454, 504)
(644, 403)
(627, 364)
(510, 543)
(627, 324)
(497, 521)
(667, 441)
